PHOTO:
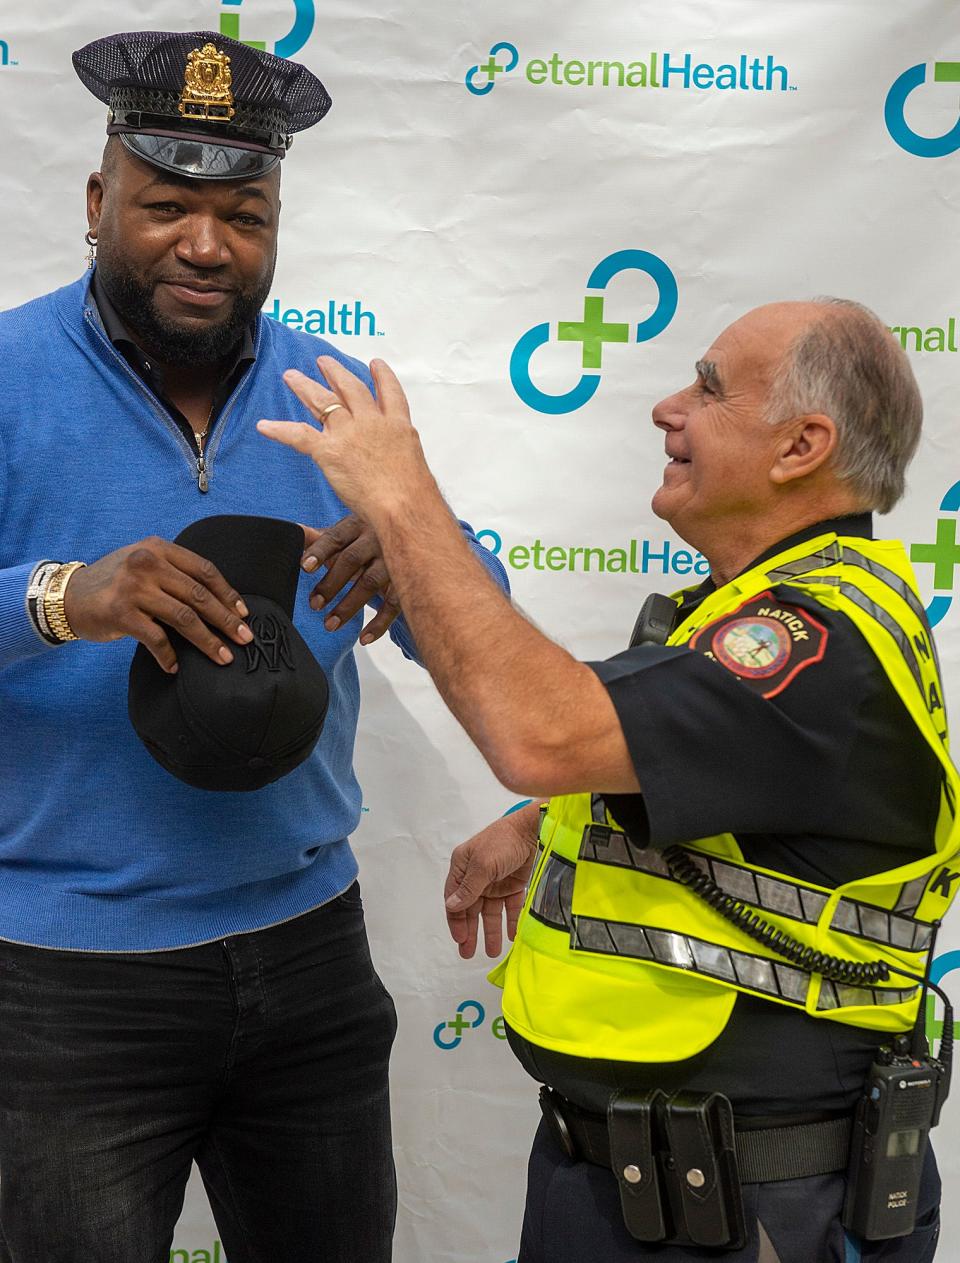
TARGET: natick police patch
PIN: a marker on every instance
(764, 642)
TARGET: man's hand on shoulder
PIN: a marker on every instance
(365, 445)
(141, 589)
(488, 877)
(351, 553)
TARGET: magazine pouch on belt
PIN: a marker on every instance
(675, 1160)
(631, 1124)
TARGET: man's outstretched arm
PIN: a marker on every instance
(355, 573)
(543, 720)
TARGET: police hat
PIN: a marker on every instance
(199, 104)
(243, 725)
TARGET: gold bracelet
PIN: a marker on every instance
(53, 601)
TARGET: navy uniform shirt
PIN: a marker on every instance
(812, 761)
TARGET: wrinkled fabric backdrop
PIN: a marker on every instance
(540, 215)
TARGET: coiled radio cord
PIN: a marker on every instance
(684, 869)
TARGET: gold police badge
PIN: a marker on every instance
(206, 86)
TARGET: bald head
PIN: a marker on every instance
(762, 339)
(800, 412)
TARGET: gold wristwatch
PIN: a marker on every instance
(53, 601)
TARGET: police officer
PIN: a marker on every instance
(739, 835)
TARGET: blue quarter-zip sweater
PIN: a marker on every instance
(100, 848)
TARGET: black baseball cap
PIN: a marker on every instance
(200, 104)
(243, 725)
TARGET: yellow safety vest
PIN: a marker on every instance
(616, 959)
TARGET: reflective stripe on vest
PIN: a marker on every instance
(552, 904)
(795, 899)
(614, 958)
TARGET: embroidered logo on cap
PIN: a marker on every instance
(206, 86)
(270, 646)
(764, 643)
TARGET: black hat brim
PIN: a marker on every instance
(199, 160)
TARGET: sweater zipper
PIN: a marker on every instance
(203, 483)
(202, 464)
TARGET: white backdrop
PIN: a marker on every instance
(460, 218)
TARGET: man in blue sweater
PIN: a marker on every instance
(184, 975)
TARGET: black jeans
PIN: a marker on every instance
(573, 1215)
(263, 1057)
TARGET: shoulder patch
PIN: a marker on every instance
(764, 642)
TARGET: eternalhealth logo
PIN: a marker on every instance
(289, 44)
(342, 319)
(941, 337)
(943, 554)
(469, 1016)
(678, 70)
(481, 79)
(213, 1254)
(894, 111)
(632, 556)
(5, 57)
(593, 330)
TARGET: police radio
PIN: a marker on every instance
(902, 1098)
(655, 622)
(901, 1102)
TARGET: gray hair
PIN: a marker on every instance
(848, 366)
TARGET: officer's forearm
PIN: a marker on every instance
(541, 719)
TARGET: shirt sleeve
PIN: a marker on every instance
(725, 737)
(18, 636)
(400, 633)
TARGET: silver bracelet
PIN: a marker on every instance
(40, 576)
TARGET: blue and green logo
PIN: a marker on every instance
(900, 129)
(288, 45)
(491, 68)
(943, 554)
(593, 330)
(632, 556)
(5, 58)
(655, 70)
(470, 1015)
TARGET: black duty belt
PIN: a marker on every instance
(791, 1150)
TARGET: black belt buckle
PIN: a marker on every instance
(675, 1161)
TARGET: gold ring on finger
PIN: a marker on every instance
(331, 407)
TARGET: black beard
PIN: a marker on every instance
(164, 339)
